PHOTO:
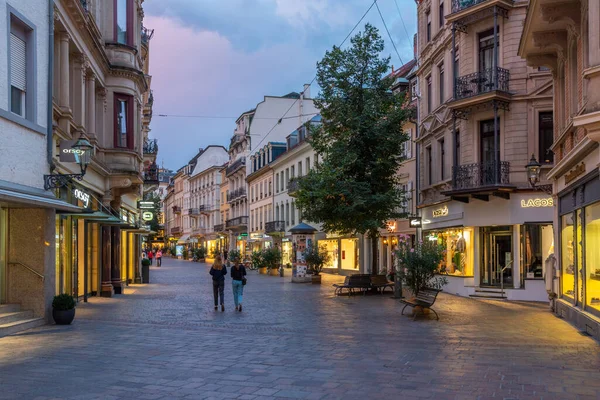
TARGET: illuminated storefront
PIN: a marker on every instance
(498, 244)
(287, 250)
(343, 254)
(395, 231)
(579, 210)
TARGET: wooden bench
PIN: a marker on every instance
(380, 282)
(424, 299)
(352, 282)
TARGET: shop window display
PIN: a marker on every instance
(349, 253)
(592, 256)
(568, 256)
(331, 245)
(459, 250)
(537, 244)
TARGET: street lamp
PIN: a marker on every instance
(533, 175)
(82, 149)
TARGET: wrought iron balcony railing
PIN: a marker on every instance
(459, 5)
(146, 34)
(275, 226)
(237, 221)
(236, 194)
(241, 162)
(150, 146)
(293, 186)
(176, 209)
(193, 211)
(473, 176)
(219, 228)
(485, 81)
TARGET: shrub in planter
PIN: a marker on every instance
(257, 261)
(146, 262)
(271, 258)
(185, 254)
(63, 309)
(234, 256)
(417, 266)
(316, 258)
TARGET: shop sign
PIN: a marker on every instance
(256, 236)
(82, 196)
(440, 212)
(549, 202)
(244, 234)
(391, 226)
(68, 153)
(147, 215)
(145, 205)
(574, 173)
(415, 222)
(285, 239)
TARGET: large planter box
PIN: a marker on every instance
(262, 271)
(274, 272)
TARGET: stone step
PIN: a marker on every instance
(9, 308)
(496, 296)
(11, 328)
(5, 318)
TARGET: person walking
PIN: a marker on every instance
(218, 272)
(159, 258)
(238, 274)
(150, 256)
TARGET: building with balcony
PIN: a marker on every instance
(260, 193)
(235, 189)
(563, 37)
(100, 91)
(482, 113)
(205, 196)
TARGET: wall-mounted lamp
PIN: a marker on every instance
(533, 176)
(82, 150)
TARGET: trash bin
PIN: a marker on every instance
(145, 271)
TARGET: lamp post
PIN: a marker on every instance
(82, 150)
(533, 176)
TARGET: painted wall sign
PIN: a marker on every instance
(147, 215)
(549, 202)
(415, 222)
(440, 212)
(82, 196)
(574, 173)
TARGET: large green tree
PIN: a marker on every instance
(355, 188)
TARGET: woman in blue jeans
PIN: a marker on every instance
(218, 272)
(238, 274)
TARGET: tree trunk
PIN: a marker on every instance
(374, 235)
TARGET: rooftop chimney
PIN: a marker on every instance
(306, 91)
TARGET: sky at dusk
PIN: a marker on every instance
(218, 58)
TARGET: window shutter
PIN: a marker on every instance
(18, 62)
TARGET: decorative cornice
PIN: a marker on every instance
(569, 12)
(552, 40)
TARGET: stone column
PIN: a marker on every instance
(107, 287)
(104, 138)
(79, 70)
(90, 91)
(64, 70)
(115, 265)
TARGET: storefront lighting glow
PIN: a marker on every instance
(440, 212)
(549, 202)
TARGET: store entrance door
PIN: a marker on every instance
(497, 262)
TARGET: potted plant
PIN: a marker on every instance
(234, 256)
(201, 254)
(417, 267)
(272, 260)
(63, 309)
(185, 254)
(257, 262)
(315, 259)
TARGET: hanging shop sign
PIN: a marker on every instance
(549, 202)
(391, 226)
(440, 212)
(145, 205)
(244, 234)
(415, 222)
(574, 173)
(82, 196)
(147, 216)
(68, 153)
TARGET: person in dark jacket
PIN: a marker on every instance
(218, 272)
(238, 274)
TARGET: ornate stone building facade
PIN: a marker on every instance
(482, 114)
(564, 38)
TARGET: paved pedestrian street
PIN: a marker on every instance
(298, 341)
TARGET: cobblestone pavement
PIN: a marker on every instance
(165, 341)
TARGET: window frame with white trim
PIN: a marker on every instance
(22, 64)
